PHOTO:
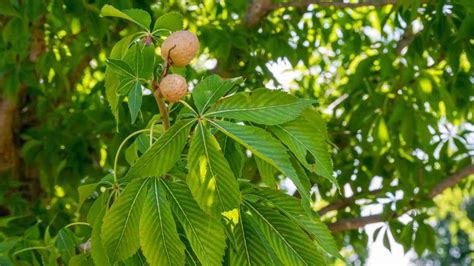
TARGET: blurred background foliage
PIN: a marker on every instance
(393, 79)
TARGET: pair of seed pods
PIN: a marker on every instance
(179, 48)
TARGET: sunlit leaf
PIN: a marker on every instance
(120, 229)
(261, 106)
(210, 178)
(205, 233)
(137, 16)
(158, 235)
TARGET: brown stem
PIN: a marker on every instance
(159, 97)
(357, 222)
(163, 110)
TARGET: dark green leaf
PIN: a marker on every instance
(172, 21)
(135, 100)
(137, 16)
(210, 89)
(66, 244)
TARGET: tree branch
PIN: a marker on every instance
(8, 153)
(259, 8)
(341, 203)
(357, 222)
(306, 3)
(451, 181)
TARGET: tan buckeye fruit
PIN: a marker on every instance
(173, 87)
(185, 44)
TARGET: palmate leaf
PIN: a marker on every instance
(210, 177)
(164, 153)
(291, 207)
(249, 248)
(264, 146)
(261, 106)
(121, 223)
(290, 243)
(158, 235)
(112, 79)
(210, 89)
(141, 60)
(137, 16)
(302, 137)
(204, 233)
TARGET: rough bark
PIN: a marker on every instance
(8, 149)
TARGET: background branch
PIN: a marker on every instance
(341, 203)
(259, 8)
(357, 222)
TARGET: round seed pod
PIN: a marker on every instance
(173, 87)
(181, 46)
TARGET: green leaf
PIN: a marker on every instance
(386, 241)
(291, 207)
(407, 237)
(290, 243)
(210, 178)
(234, 154)
(172, 21)
(261, 106)
(205, 233)
(120, 228)
(420, 243)
(83, 259)
(158, 235)
(66, 244)
(125, 85)
(466, 30)
(131, 153)
(98, 253)
(264, 146)
(376, 233)
(8, 9)
(249, 249)
(112, 79)
(137, 16)
(267, 171)
(85, 191)
(210, 89)
(301, 137)
(135, 100)
(121, 67)
(136, 260)
(164, 153)
(141, 59)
